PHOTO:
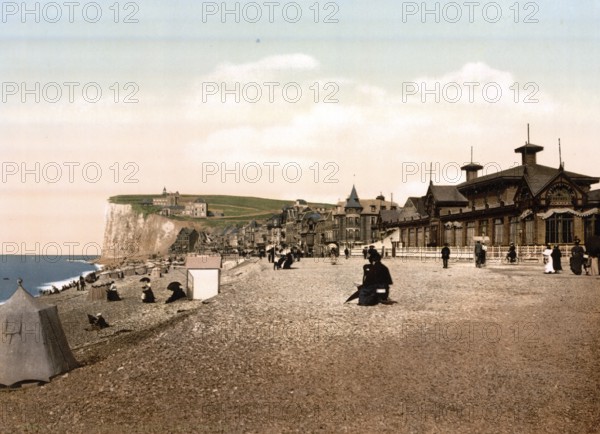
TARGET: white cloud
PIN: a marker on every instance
(265, 68)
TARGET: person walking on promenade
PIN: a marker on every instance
(445, 254)
(576, 260)
(477, 253)
(483, 254)
(365, 252)
(556, 255)
(346, 253)
(548, 267)
(511, 256)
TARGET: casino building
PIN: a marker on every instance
(530, 204)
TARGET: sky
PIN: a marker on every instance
(279, 99)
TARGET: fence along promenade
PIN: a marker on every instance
(526, 253)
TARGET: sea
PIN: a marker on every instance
(39, 272)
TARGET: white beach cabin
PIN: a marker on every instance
(203, 276)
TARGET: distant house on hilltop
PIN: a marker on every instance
(172, 205)
(196, 209)
(166, 199)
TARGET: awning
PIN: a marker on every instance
(553, 211)
(525, 214)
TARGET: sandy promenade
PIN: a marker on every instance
(502, 349)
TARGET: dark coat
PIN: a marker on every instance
(445, 252)
(576, 261)
(556, 255)
(148, 296)
(378, 274)
(177, 295)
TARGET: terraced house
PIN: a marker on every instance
(530, 204)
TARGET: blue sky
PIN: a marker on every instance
(358, 120)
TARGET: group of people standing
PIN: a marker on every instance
(552, 259)
(579, 261)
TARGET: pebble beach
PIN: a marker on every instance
(500, 349)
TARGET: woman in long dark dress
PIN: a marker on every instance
(576, 260)
(556, 255)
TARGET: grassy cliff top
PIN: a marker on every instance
(236, 209)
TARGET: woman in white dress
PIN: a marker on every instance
(548, 267)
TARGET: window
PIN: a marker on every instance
(373, 208)
(559, 229)
(498, 232)
(458, 237)
(529, 233)
(514, 230)
(470, 233)
(483, 228)
(591, 226)
(448, 232)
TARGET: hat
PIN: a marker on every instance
(375, 256)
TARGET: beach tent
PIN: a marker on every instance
(33, 345)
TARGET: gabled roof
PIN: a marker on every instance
(314, 216)
(444, 194)
(537, 175)
(203, 262)
(390, 215)
(417, 203)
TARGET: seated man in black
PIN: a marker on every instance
(377, 276)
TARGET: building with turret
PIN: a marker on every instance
(530, 204)
(355, 221)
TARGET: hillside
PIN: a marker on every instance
(235, 209)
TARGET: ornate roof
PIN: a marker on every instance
(353, 201)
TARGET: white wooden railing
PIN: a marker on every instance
(457, 253)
